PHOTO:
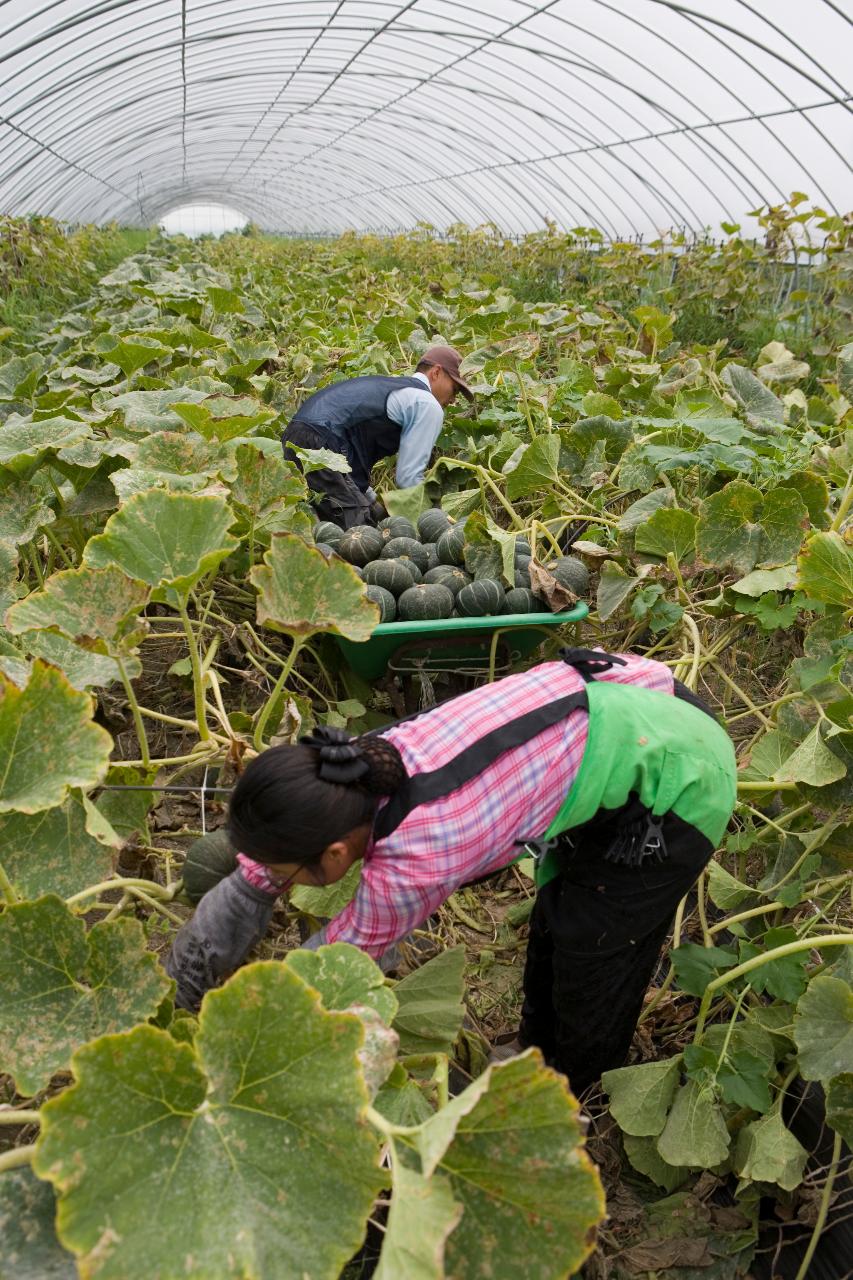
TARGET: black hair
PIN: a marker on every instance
(423, 365)
(282, 810)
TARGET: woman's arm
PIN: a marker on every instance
(228, 922)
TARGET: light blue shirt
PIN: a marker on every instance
(421, 417)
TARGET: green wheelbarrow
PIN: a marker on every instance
(466, 642)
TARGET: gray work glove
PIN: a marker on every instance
(228, 922)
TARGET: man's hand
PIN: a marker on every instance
(378, 511)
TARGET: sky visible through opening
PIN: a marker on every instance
(202, 219)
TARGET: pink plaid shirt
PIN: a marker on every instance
(476, 829)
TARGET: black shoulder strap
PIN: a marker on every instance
(590, 662)
(473, 759)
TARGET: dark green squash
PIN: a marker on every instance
(414, 569)
(522, 600)
(361, 544)
(571, 573)
(407, 547)
(325, 549)
(449, 576)
(429, 600)
(397, 527)
(328, 531)
(387, 603)
(432, 524)
(432, 553)
(391, 575)
(209, 860)
(480, 598)
(451, 545)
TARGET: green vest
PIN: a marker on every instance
(675, 757)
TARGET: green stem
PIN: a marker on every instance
(700, 906)
(17, 1157)
(19, 1117)
(198, 684)
(745, 788)
(778, 953)
(823, 1211)
(260, 727)
(844, 506)
(148, 886)
(7, 889)
(525, 402)
(139, 724)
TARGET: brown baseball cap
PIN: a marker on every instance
(448, 359)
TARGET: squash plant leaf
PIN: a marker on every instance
(51, 851)
(431, 1009)
(343, 976)
(270, 1099)
(48, 742)
(83, 604)
(325, 901)
(301, 592)
(263, 480)
(811, 762)
(135, 352)
(19, 376)
(165, 539)
(739, 527)
(757, 401)
(767, 1151)
(668, 532)
(61, 986)
(825, 567)
(643, 1156)
(223, 418)
(31, 1250)
(147, 411)
(510, 1146)
(23, 510)
(640, 1096)
(423, 1213)
(696, 966)
(23, 442)
(695, 1132)
(538, 468)
(83, 668)
(839, 1105)
(823, 1028)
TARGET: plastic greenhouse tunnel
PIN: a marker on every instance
(426, 680)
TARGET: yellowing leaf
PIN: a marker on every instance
(48, 742)
(301, 592)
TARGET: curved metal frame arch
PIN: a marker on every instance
(184, 149)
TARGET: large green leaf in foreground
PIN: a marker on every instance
(510, 1147)
(300, 591)
(48, 742)
(245, 1156)
(60, 986)
(94, 603)
(51, 851)
(344, 976)
(165, 539)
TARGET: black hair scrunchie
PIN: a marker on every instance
(341, 757)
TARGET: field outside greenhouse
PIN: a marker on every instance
(678, 415)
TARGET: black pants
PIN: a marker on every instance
(595, 938)
(341, 500)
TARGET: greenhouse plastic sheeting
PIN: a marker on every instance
(318, 115)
